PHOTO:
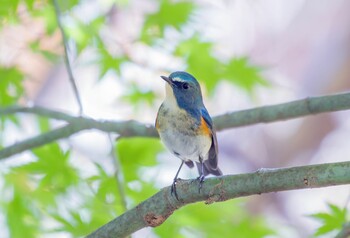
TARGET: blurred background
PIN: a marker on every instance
(244, 53)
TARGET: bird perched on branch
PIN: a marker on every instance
(185, 127)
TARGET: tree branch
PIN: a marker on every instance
(40, 140)
(155, 210)
(118, 173)
(284, 111)
(40, 111)
(124, 128)
(266, 114)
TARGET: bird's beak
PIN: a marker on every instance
(168, 80)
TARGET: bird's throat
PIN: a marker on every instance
(170, 100)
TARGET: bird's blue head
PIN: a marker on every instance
(183, 87)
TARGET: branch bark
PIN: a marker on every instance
(266, 114)
(155, 210)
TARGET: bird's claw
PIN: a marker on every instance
(173, 189)
(201, 180)
(173, 186)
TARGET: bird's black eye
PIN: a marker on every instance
(185, 85)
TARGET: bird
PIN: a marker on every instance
(186, 128)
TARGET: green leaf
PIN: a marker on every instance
(85, 33)
(8, 10)
(107, 190)
(44, 124)
(137, 96)
(209, 70)
(94, 212)
(200, 61)
(21, 220)
(135, 154)
(170, 14)
(243, 74)
(50, 164)
(333, 220)
(30, 4)
(108, 62)
(11, 88)
(101, 212)
(215, 220)
(66, 5)
(46, 13)
(21, 215)
(51, 56)
(65, 224)
(74, 225)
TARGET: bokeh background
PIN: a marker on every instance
(244, 53)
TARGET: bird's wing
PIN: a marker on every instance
(213, 151)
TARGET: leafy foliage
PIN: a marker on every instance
(240, 72)
(32, 188)
(170, 14)
(11, 89)
(85, 34)
(200, 61)
(134, 155)
(51, 56)
(66, 5)
(51, 161)
(47, 14)
(332, 220)
(22, 219)
(51, 194)
(11, 85)
(8, 10)
(138, 96)
(108, 62)
(227, 219)
(209, 69)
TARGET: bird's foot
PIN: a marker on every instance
(173, 189)
(200, 180)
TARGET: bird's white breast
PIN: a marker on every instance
(177, 130)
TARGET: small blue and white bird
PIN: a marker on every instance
(185, 127)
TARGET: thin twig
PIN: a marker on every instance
(118, 174)
(66, 58)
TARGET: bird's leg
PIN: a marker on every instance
(173, 186)
(201, 175)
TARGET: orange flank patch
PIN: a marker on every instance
(204, 128)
